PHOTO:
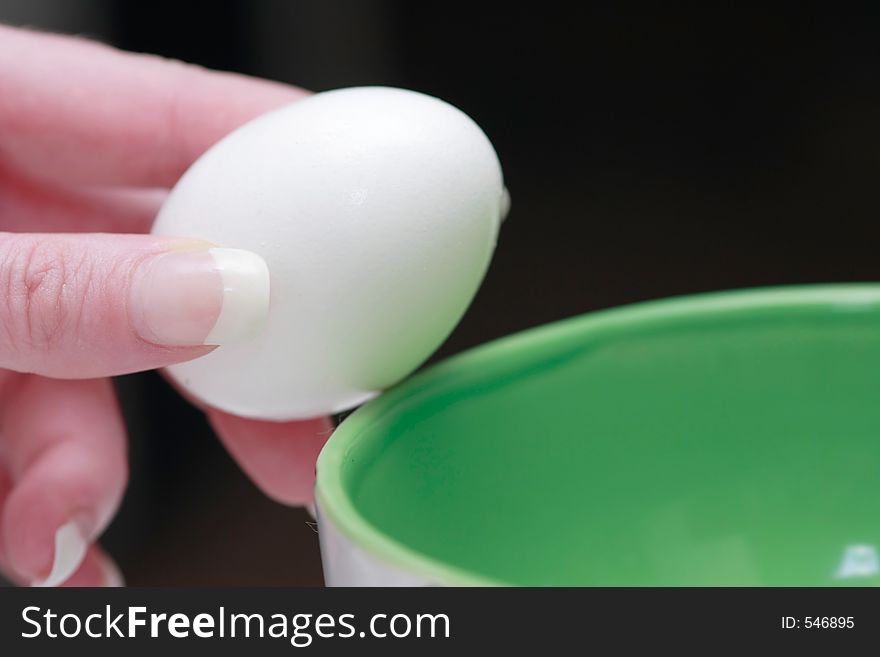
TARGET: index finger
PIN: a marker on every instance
(83, 112)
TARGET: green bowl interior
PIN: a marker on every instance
(725, 439)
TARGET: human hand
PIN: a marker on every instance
(90, 141)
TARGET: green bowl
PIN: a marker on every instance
(721, 439)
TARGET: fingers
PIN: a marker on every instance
(278, 456)
(96, 569)
(83, 306)
(37, 206)
(64, 449)
(83, 112)
(5, 489)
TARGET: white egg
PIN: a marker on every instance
(377, 212)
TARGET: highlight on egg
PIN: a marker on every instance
(377, 211)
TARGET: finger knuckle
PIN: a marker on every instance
(45, 284)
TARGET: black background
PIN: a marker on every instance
(649, 152)
(517, 621)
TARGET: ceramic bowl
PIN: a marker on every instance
(720, 439)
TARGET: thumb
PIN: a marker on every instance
(89, 305)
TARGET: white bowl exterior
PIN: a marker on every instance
(348, 564)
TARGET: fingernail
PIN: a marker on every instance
(70, 550)
(200, 297)
(112, 575)
(505, 204)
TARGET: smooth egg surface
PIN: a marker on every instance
(377, 211)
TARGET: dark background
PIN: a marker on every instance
(649, 152)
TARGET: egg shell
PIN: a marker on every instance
(377, 211)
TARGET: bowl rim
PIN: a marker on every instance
(332, 498)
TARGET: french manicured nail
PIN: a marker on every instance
(70, 550)
(211, 296)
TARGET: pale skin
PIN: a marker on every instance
(91, 140)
